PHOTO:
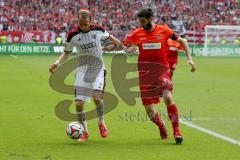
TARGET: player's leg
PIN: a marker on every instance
(173, 115)
(150, 96)
(154, 116)
(82, 94)
(97, 97)
(81, 114)
(171, 73)
(81, 117)
(98, 87)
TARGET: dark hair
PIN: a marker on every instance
(145, 12)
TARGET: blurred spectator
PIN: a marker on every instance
(1, 26)
(34, 39)
(3, 38)
(117, 16)
(59, 40)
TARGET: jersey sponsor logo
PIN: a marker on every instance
(151, 45)
(88, 45)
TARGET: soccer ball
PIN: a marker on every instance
(74, 130)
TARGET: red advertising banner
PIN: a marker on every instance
(27, 37)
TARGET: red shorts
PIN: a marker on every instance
(153, 87)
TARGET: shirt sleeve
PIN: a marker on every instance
(180, 47)
(69, 44)
(104, 35)
(170, 33)
(174, 36)
(130, 39)
(68, 47)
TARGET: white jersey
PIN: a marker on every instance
(88, 45)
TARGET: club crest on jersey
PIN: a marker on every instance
(158, 37)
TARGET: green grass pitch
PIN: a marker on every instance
(30, 130)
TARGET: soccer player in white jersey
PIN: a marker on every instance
(87, 39)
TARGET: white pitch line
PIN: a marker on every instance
(13, 56)
(215, 119)
(212, 133)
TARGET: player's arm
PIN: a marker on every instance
(63, 57)
(187, 51)
(129, 43)
(130, 50)
(115, 44)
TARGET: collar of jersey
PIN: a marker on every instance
(79, 29)
(152, 30)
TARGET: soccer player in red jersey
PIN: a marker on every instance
(174, 48)
(151, 40)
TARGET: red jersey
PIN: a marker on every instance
(174, 46)
(154, 76)
(152, 45)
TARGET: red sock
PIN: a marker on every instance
(173, 115)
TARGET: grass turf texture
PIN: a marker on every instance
(30, 130)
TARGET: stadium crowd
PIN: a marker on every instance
(118, 16)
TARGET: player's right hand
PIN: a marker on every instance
(53, 67)
(193, 66)
(130, 50)
(110, 47)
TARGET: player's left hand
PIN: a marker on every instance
(53, 67)
(193, 66)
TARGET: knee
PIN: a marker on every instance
(97, 100)
(168, 99)
(150, 114)
(79, 105)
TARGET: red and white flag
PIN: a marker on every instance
(27, 37)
